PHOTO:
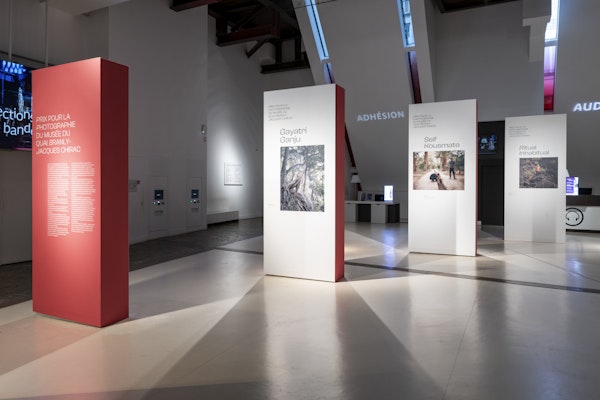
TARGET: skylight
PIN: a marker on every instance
(406, 23)
(550, 57)
(552, 27)
(317, 29)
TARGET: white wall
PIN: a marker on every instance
(483, 54)
(578, 81)
(171, 57)
(167, 100)
(67, 34)
(480, 53)
(67, 41)
(367, 54)
(235, 124)
(15, 206)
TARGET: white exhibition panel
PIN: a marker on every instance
(535, 178)
(442, 211)
(303, 194)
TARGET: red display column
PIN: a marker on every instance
(80, 203)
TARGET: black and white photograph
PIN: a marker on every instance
(302, 178)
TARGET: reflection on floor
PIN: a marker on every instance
(15, 279)
(519, 321)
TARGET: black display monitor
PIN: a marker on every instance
(15, 106)
(490, 139)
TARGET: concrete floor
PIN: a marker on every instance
(519, 321)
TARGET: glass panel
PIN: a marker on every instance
(552, 27)
(406, 23)
(549, 77)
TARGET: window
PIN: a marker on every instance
(550, 57)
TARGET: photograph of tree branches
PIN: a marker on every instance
(302, 178)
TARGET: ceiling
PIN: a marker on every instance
(274, 21)
(77, 7)
(457, 5)
(257, 22)
(226, 7)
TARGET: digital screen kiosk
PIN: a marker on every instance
(80, 192)
(304, 182)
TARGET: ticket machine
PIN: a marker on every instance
(159, 212)
(194, 198)
(159, 199)
(194, 212)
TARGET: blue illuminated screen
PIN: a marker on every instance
(15, 106)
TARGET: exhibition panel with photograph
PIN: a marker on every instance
(304, 183)
(79, 164)
(443, 178)
(535, 178)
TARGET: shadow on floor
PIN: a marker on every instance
(15, 279)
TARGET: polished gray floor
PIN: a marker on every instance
(15, 279)
(519, 321)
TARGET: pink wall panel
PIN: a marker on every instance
(80, 224)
